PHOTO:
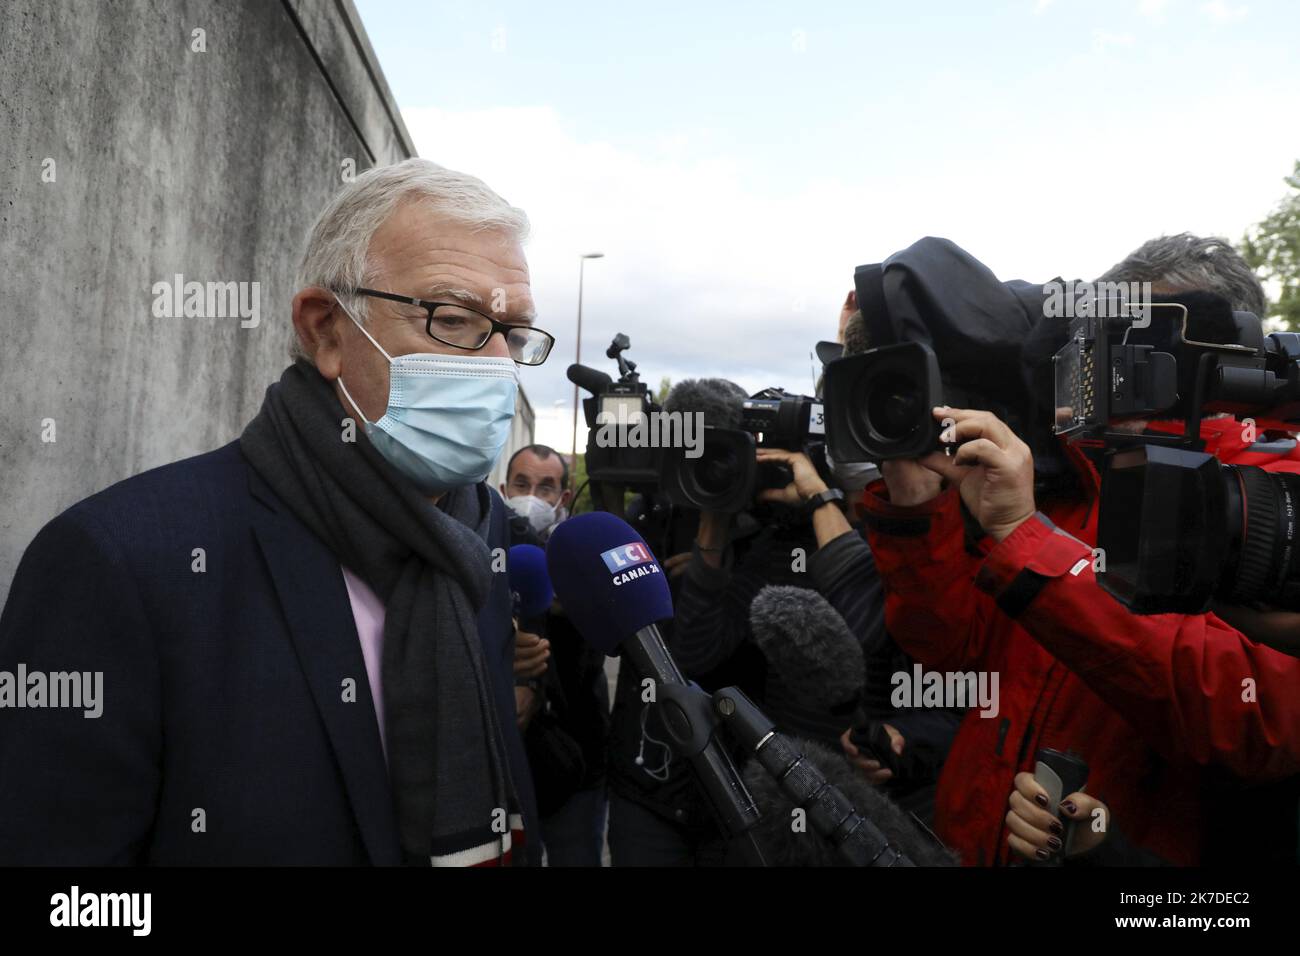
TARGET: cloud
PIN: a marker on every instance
(1221, 12)
(697, 264)
(1153, 10)
(713, 268)
(1103, 42)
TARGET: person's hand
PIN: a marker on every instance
(1035, 832)
(1279, 630)
(675, 566)
(910, 483)
(527, 703)
(876, 772)
(531, 654)
(806, 481)
(993, 468)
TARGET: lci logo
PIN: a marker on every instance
(626, 556)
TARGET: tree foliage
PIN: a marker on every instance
(1272, 248)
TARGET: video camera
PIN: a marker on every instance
(633, 445)
(943, 330)
(617, 462)
(1177, 528)
(725, 476)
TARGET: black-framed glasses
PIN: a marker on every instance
(464, 328)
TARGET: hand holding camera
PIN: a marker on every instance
(804, 483)
(993, 468)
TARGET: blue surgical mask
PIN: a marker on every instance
(448, 416)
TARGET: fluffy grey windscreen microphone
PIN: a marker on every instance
(717, 398)
(808, 645)
(786, 844)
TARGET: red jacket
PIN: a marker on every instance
(1151, 703)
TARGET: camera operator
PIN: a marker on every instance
(1155, 698)
(1153, 701)
(1181, 262)
(560, 687)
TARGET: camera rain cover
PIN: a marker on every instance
(940, 295)
(937, 295)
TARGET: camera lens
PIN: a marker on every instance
(717, 470)
(893, 407)
(1263, 524)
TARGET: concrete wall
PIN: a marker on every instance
(165, 161)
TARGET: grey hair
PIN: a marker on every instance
(855, 334)
(337, 255)
(1185, 262)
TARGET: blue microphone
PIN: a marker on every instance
(615, 593)
(531, 586)
(608, 580)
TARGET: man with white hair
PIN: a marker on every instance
(305, 637)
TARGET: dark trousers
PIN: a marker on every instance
(574, 835)
(641, 837)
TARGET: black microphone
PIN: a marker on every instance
(854, 839)
(787, 840)
(1060, 773)
(614, 592)
(816, 667)
(817, 673)
(593, 380)
(720, 401)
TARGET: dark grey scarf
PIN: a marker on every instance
(431, 567)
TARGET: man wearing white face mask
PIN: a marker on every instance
(306, 633)
(537, 488)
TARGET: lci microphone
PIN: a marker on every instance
(530, 583)
(615, 592)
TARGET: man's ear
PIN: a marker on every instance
(566, 497)
(317, 320)
(502, 487)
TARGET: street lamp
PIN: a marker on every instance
(577, 360)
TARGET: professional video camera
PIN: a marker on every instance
(1177, 528)
(943, 330)
(633, 445)
(725, 476)
(617, 466)
(613, 402)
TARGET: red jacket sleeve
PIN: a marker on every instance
(932, 608)
(1190, 684)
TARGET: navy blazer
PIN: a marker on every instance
(225, 736)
